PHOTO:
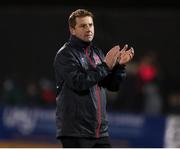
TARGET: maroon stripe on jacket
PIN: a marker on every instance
(98, 96)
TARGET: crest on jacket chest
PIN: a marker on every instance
(96, 59)
(93, 60)
(84, 62)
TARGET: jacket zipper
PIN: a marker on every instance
(98, 96)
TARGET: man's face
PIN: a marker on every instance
(84, 28)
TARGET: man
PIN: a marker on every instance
(82, 74)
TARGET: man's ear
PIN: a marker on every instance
(72, 31)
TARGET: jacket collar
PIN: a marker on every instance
(78, 43)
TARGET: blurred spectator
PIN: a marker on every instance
(47, 91)
(153, 100)
(33, 97)
(12, 93)
(27, 92)
(149, 76)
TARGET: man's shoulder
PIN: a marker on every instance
(64, 48)
(66, 51)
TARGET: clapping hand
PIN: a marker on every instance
(112, 56)
(125, 55)
(115, 56)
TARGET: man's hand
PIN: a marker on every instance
(112, 56)
(125, 55)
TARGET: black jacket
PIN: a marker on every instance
(81, 78)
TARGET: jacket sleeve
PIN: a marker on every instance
(113, 81)
(68, 68)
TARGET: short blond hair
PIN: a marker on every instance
(78, 13)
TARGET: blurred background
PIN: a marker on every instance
(143, 113)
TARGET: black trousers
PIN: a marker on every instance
(75, 142)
